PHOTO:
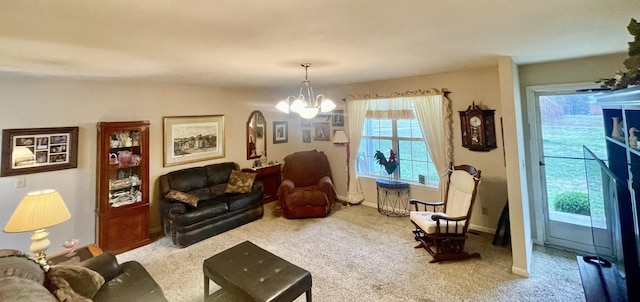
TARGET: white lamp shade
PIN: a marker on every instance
(340, 137)
(283, 106)
(327, 105)
(38, 210)
(297, 105)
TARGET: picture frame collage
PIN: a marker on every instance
(322, 127)
(35, 150)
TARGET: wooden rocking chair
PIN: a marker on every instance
(443, 234)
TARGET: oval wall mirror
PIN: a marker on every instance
(256, 135)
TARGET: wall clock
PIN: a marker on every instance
(478, 128)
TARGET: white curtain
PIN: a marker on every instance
(433, 112)
(434, 115)
(355, 111)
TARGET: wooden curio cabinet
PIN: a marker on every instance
(122, 209)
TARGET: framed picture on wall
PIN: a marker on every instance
(337, 118)
(193, 138)
(35, 150)
(280, 132)
(321, 132)
(306, 135)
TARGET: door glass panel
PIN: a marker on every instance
(569, 121)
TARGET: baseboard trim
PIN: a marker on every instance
(520, 271)
(156, 233)
(483, 229)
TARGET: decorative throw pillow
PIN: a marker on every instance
(74, 282)
(16, 289)
(187, 198)
(240, 182)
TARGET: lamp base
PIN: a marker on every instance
(39, 244)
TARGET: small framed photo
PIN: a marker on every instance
(337, 119)
(35, 150)
(321, 132)
(306, 135)
(305, 123)
(280, 132)
(193, 138)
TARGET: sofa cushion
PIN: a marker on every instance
(240, 182)
(73, 281)
(217, 190)
(187, 198)
(188, 179)
(206, 209)
(219, 173)
(201, 194)
(16, 289)
(240, 201)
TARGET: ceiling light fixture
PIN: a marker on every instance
(307, 106)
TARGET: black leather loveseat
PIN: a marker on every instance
(216, 211)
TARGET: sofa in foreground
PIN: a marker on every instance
(201, 202)
(99, 279)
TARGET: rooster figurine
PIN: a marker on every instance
(389, 165)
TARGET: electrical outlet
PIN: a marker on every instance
(21, 182)
(485, 211)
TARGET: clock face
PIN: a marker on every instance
(475, 121)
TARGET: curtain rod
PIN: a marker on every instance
(370, 96)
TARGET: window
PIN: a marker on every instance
(406, 139)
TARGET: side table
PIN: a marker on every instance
(393, 197)
(271, 179)
(81, 254)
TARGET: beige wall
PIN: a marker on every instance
(479, 85)
(39, 102)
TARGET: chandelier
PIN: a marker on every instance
(306, 105)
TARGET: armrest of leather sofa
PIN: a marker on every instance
(258, 186)
(170, 208)
(105, 264)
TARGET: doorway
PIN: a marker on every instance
(562, 121)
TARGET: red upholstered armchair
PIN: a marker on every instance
(307, 189)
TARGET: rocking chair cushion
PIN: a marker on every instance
(423, 221)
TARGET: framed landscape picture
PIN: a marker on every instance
(35, 150)
(280, 132)
(193, 138)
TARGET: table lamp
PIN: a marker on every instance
(37, 211)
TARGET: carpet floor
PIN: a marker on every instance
(357, 254)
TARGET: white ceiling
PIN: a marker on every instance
(261, 43)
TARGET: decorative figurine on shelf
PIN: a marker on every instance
(633, 140)
(616, 131)
(389, 165)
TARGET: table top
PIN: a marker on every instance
(391, 184)
(81, 254)
(247, 269)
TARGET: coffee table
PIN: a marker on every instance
(246, 272)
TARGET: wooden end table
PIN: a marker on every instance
(81, 254)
